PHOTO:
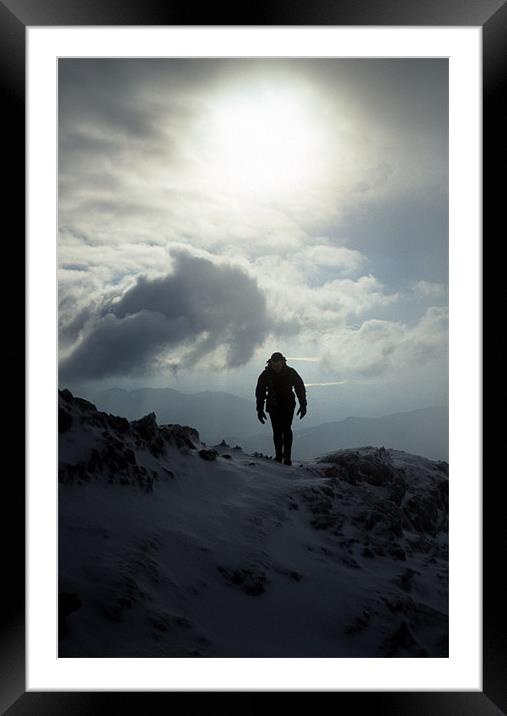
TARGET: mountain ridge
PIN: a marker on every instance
(169, 547)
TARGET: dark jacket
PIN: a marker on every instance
(276, 388)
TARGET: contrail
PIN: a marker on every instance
(336, 382)
(307, 359)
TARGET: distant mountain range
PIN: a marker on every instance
(421, 432)
(213, 414)
(221, 415)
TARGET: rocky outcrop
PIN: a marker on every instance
(208, 454)
(403, 502)
(252, 580)
(108, 446)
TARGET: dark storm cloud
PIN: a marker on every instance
(201, 305)
(68, 331)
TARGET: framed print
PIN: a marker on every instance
(191, 190)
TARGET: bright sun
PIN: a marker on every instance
(266, 145)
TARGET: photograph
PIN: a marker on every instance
(253, 357)
(253, 457)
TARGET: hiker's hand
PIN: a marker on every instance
(262, 416)
(302, 410)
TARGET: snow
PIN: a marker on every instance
(241, 556)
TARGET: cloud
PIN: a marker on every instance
(390, 350)
(198, 308)
(133, 136)
(321, 262)
(136, 175)
(313, 286)
(429, 290)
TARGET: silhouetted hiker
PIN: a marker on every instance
(275, 385)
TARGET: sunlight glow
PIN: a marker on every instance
(266, 144)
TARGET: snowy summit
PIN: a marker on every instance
(169, 547)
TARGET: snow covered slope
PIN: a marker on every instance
(168, 547)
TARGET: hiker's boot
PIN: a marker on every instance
(278, 457)
(287, 460)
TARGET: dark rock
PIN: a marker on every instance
(147, 429)
(118, 423)
(424, 512)
(349, 562)
(383, 518)
(66, 395)
(368, 553)
(85, 405)
(373, 467)
(421, 544)
(359, 623)
(182, 621)
(292, 574)
(405, 579)
(251, 580)
(95, 461)
(130, 456)
(397, 552)
(208, 454)
(402, 643)
(443, 467)
(323, 522)
(159, 622)
(69, 473)
(181, 436)
(64, 420)
(397, 488)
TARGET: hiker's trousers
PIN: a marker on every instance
(281, 422)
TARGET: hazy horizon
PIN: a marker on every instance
(212, 211)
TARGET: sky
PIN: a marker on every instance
(213, 211)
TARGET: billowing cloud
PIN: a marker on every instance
(389, 350)
(314, 286)
(201, 306)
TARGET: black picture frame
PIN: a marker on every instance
(15, 17)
